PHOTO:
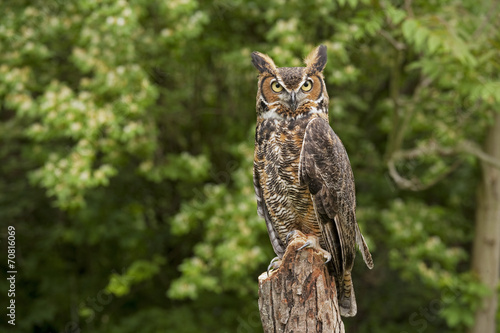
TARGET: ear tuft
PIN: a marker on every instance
(263, 63)
(316, 60)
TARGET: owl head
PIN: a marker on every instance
(291, 92)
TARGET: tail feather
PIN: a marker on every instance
(347, 300)
(365, 252)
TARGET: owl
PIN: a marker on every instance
(302, 175)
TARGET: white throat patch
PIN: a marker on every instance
(272, 114)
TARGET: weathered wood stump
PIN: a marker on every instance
(300, 296)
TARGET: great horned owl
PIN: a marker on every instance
(302, 176)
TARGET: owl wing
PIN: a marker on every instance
(325, 168)
(276, 242)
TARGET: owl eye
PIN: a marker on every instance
(307, 85)
(276, 87)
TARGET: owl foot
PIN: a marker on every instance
(274, 264)
(313, 242)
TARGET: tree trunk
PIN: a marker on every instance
(486, 250)
(300, 296)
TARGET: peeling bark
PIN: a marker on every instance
(300, 296)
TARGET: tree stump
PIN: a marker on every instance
(300, 296)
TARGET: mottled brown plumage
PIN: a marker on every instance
(302, 176)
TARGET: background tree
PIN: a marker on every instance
(126, 145)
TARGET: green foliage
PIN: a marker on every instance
(416, 232)
(468, 294)
(140, 270)
(230, 233)
(183, 167)
(417, 249)
(127, 133)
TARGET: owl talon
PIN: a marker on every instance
(328, 258)
(273, 265)
(306, 244)
(290, 235)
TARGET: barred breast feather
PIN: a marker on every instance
(284, 203)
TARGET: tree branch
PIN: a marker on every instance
(415, 184)
(474, 149)
(432, 147)
(397, 45)
(401, 122)
(408, 8)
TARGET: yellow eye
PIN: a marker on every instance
(276, 87)
(307, 85)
